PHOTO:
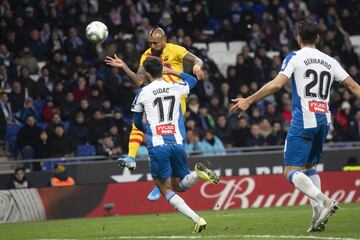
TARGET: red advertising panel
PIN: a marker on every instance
(130, 198)
(232, 192)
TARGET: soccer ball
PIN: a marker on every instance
(96, 32)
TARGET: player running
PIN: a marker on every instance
(172, 56)
(165, 134)
(311, 73)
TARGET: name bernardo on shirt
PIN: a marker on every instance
(317, 61)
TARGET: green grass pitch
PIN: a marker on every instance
(270, 223)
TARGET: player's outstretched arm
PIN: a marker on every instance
(184, 76)
(352, 86)
(138, 77)
(197, 62)
(242, 104)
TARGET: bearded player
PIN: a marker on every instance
(173, 57)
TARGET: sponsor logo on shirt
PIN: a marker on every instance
(318, 107)
(165, 129)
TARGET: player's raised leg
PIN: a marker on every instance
(314, 177)
(155, 194)
(162, 162)
(304, 146)
(135, 139)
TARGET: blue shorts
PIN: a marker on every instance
(304, 146)
(168, 160)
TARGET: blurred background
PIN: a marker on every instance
(60, 104)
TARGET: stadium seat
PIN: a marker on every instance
(35, 77)
(39, 104)
(355, 41)
(223, 60)
(237, 46)
(41, 64)
(272, 54)
(10, 137)
(12, 130)
(85, 150)
(199, 45)
(50, 165)
(42, 125)
(66, 125)
(128, 36)
(217, 47)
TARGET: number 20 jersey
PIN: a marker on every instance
(160, 100)
(312, 73)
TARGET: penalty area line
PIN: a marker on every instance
(238, 236)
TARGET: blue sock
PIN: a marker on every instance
(291, 174)
(311, 172)
(169, 195)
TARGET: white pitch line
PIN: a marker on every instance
(213, 237)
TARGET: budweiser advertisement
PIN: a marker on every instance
(130, 198)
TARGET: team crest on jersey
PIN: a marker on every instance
(166, 58)
(318, 107)
(165, 129)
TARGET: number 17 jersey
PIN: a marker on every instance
(160, 100)
(312, 73)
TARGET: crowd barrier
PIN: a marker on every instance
(96, 200)
(250, 161)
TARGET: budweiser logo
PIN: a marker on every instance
(320, 107)
(245, 193)
(165, 129)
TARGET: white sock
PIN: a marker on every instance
(305, 185)
(316, 181)
(180, 205)
(189, 180)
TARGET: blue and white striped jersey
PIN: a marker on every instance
(160, 100)
(312, 73)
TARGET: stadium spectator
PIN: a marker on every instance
(17, 96)
(60, 144)
(69, 106)
(28, 138)
(29, 109)
(223, 131)
(205, 120)
(277, 135)
(19, 180)
(49, 110)
(97, 126)
(55, 120)
(42, 149)
(58, 94)
(45, 83)
(117, 139)
(6, 109)
(46, 32)
(192, 141)
(81, 90)
(106, 146)
(241, 132)
(78, 130)
(211, 144)
(255, 138)
(354, 128)
(28, 83)
(61, 178)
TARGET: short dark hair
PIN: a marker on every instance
(153, 66)
(308, 32)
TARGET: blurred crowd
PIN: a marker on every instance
(58, 97)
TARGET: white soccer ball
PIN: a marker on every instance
(96, 32)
